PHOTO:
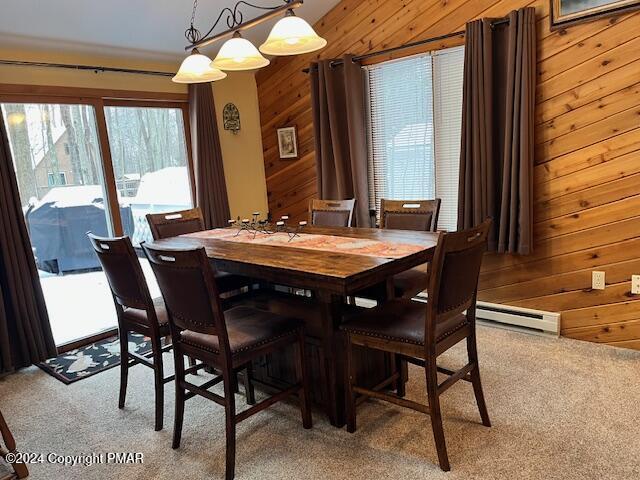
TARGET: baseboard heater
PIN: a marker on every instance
(534, 321)
(516, 318)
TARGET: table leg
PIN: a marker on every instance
(332, 306)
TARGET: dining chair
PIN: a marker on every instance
(19, 468)
(421, 215)
(420, 332)
(137, 312)
(417, 215)
(331, 213)
(172, 224)
(229, 339)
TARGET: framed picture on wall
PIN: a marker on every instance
(288, 142)
(570, 12)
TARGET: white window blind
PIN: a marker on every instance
(415, 115)
(448, 68)
(401, 131)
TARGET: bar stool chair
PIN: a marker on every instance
(137, 312)
(331, 213)
(172, 224)
(419, 332)
(227, 340)
(420, 215)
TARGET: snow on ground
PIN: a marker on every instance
(80, 304)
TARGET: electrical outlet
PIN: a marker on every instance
(597, 280)
(635, 284)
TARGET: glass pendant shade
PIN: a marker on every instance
(196, 68)
(237, 54)
(292, 36)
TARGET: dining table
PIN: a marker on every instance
(333, 263)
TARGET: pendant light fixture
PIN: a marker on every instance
(197, 68)
(237, 54)
(291, 35)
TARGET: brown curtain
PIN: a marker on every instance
(25, 333)
(339, 120)
(211, 187)
(496, 158)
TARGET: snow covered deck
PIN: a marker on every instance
(80, 304)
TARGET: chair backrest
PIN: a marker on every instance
(124, 273)
(331, 213)
(172, 224)
(453, 276)
(419, 215)
(186, 280)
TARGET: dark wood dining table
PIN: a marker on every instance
(332, 276)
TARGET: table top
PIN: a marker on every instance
(338, 272)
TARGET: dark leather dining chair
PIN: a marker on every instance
(421, 215)
(137, 312)
(418, 215)
(331, 213)
(420, 332)
(227, 340)
(172, 224)
(20, 469)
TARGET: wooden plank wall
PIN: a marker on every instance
(587, 163)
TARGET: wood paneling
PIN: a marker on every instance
(587, 172)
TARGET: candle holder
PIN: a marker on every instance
(255, 226)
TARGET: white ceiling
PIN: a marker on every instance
(153, 29)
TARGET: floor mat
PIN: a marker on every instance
(97, 357)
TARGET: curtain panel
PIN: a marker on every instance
(496, 157)
(211, 187)
(340, 128)
(25, 332)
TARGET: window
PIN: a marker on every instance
(149, 154)
(415, 116)
(71, 180)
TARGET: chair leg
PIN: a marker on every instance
(350, 406)
(436, 415)
(472, 351)
(158, 369)
(21, 470)
(234, 381)
(179, 406)
(249, 389)
(303, 379)
(192, 363)
(230, 421)
(399, 364)
(124, 365)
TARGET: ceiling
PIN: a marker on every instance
(151, 29)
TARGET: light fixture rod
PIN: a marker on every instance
(291, 4)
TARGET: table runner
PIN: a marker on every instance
(312, 241)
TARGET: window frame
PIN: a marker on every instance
(99, 99)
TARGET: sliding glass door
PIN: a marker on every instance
(59, 169)
(150, 165)
(149, 155)
(98, 167)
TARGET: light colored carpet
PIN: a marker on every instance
(561, 409)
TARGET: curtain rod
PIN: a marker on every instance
(85, 67)
(409, 45)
